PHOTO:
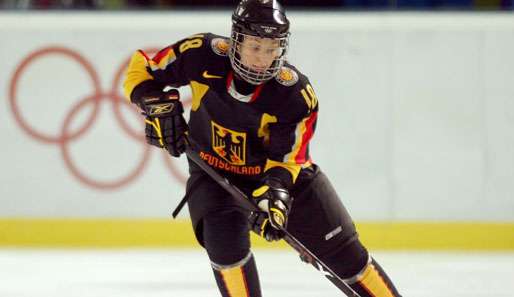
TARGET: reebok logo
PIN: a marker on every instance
(161, 108)
(205, 74)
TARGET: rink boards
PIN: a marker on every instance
(109, 233)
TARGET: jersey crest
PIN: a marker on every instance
(287, 76)
(230, 145)
(220, 46)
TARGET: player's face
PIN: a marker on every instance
(259, 53)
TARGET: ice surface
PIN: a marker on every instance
(186, 273)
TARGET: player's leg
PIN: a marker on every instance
(321, 222)
(226, 239)
(222, 229)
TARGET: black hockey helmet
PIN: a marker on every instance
(264, 19)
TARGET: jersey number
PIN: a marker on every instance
(194, 41)
(310, 97)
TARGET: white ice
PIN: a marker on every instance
(186, 273)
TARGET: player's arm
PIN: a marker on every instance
(144, 85)
(171, 66)
(289, 138)
(288, 153)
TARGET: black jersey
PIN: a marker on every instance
(244, 135)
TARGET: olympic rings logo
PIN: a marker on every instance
(65, 136)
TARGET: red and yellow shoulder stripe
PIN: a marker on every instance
(137, 69)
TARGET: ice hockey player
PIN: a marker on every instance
(252, 117)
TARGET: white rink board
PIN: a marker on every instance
(416, 113)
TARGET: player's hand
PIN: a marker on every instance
(273, 199)
(165, 124)
(259, 223)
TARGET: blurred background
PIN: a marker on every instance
(415, 132)
(342, 5)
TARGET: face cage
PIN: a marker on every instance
(251, 76)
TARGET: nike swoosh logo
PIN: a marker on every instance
(207, 75)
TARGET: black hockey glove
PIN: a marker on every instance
(259, 223)
(165, 125)
(274, 201)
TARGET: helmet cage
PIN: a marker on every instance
(249, 75)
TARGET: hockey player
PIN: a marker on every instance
(252, 117)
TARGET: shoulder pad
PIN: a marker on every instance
(220, 46)
(287, 76)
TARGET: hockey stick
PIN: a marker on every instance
(246, 203)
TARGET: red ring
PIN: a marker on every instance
(66, 136)
(123, 124)
(175, 172)
(110, 185)
(14, 85)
